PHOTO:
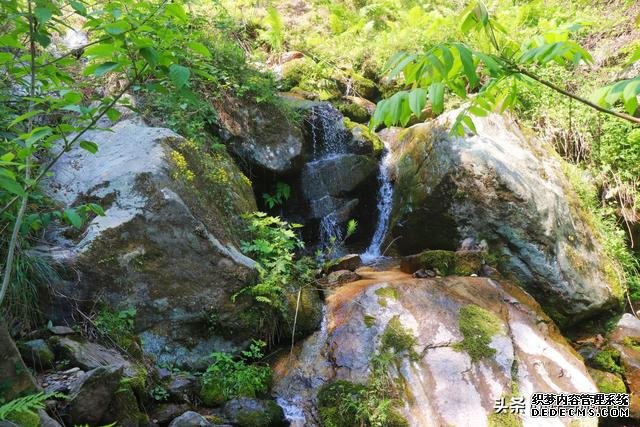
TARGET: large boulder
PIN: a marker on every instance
(262, 135)
(91, 396)
(167, 245)
(509, 189)
(443, 350)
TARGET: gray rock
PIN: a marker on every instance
(46, 420)
(261, 135)
(183, 387)
(336, 176)
(511, 190)
(13, 371)
(347, 262)
(37, 354)
(61, 330)
(250, 412)
(91, 396)
(525, 350)
(88, 355)
(169, 237)
(165, 412)
(190, 419)
(340, 277)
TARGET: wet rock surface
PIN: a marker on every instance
(447, 381)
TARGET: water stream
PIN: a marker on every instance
(385, 202)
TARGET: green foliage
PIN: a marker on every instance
(280, 195)
(117, 326)
(229, 377)
(273, 246)
(494, 78)
(27, 404)
(398, 338)
(477, 327)
(159, 393)
(275, 34)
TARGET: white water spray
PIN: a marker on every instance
(385, 202)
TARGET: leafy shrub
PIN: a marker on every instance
(228, 377)
(273, 246)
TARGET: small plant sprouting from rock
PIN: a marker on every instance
(159, 393)
(280, 195)
(228, 377)
(117, 326)
(478, 326)
(398, 338)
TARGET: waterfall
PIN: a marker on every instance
(385, 202)
(329, 138)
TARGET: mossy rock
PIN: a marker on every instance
(444, 263)
(352, 111)
(249, 412)
(363, 141)
(608, 382)
(124, 409)
(212, 393)
(504, 419)
(24, 419)
(37, 353)
(309, 310)
(608, 359)
(478, 326)
(398, 338)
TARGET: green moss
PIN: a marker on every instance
(608, 359)
(212, 393)
(504, 419)
(398, 338)
(352, 111)
(266, 418)
(387, 292)
(478, 326)
(632, 342)
(442, 262)
(608, 382)
(467, 263)
(24, 419)
(369, 321)
(124, 408)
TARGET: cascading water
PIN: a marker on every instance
(385, 202)
(329, 138)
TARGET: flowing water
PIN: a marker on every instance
(329, 138)
(385, 202)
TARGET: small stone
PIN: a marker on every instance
(71, 371)
(341, 276)
(190, 419)
(166, 412)
(348, 262)
(61, 330)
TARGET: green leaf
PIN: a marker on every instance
(417, 101)
(179, 75)
(113, 114)
(436, 97)
(466, 57)
(176, 10)
(11, 185)
(117, 28)
(150, 55)
(97, 209)
(43, 14)
(90, 146)
(104, 68)
(629, 96)
(200, 49)
(78, 7)
(24, 117)
(73, 217)
(100, 50)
